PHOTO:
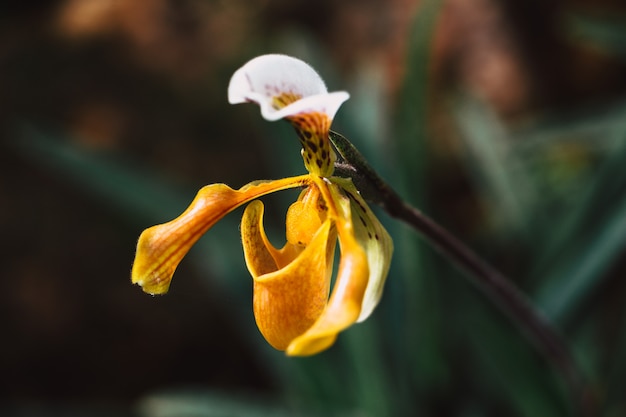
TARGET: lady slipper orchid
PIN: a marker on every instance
(293, 305)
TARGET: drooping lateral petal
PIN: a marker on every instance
(376, 242)
(283, 86)
(344, 306)
(161, 248)
(289, 300)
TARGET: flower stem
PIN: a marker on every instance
(496, 286)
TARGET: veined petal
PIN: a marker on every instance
(267, 74)
(283, 86)
(344, 306)
(289, 300)
(376, 242)
(161, 248)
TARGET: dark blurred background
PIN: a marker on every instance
(113, 113)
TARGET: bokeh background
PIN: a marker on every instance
(505, 121)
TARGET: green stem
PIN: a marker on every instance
(498, 288)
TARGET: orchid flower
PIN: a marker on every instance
(294, 307)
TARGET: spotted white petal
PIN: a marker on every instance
(283, 86)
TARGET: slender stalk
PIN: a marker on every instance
(496, 286)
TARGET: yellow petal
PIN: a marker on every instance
(305, 217)
(161, 248)
(344, 306)
(257, 249)
(289, 300)
(376, 242)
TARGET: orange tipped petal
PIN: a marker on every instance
(289, 300)
(161, 248)
(344, 306)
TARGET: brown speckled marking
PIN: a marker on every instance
(312, 130)
(283, 99)
(362, 214)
